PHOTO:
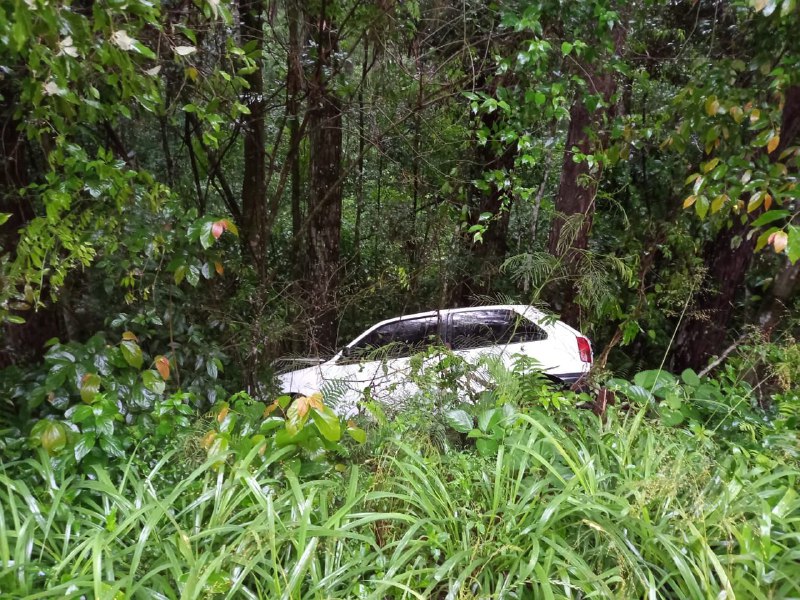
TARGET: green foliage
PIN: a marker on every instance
(618, 506)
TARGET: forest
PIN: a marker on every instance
(196, 195)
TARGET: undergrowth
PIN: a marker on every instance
(520, 494)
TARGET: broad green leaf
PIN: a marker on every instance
(487, 446)
(153, 381)
(112, 446)
(459, 420)
(488, 419)
(327, 423)
(84, 445)
(690, 378)
(357, 434)
(132, 353)
(770, 216)
(657, 381)
(793, 243)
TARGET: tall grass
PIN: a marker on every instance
(574, 508)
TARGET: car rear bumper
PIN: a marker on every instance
(567, 378)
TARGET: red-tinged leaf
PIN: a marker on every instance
(779, 239)
(217, 228)
(162, 366)
(129, 335)
(219, 268)
(767, 201)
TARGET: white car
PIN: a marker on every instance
(379, 360)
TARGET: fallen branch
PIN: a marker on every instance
(723, 356)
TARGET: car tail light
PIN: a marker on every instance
(584, 350)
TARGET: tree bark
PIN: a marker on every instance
(484, 257)
(294, 86)
(20, 343)
(727, 263)
(254, 177)
(325, 201)
(780, 295)
(578, 185)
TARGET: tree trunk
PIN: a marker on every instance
(20, 343)
(362, 133)
(578, 185)
(484, 257)
(699, 339)
(780, 294)
(254, 177)
(325, 202)
(294, 86)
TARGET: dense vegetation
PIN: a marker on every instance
(552, 502)
(190, 191)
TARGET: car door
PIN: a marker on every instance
(501, 332)
(379, 363)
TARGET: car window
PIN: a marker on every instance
(481, 328)
(397, 339)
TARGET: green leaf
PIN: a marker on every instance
(793, 243)
(459, 420)
(294, 420)
(487, 446)
(770, 216)
(153, 381)
(357, 434)
(690, 378)
(701, 206)
(80, 413)
(132, 353)
(207, 238)
(112, 446)
(656, 381)
(84, 445)
(671, 417)
(566, 48)
(4, 217)
(488, 419)
(180, 273)
(327, 423)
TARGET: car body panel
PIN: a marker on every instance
(389, 377)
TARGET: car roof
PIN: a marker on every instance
(521, 308)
